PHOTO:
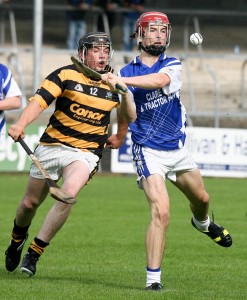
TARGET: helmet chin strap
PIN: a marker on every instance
(153, 49)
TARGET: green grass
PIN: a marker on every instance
(100, 254)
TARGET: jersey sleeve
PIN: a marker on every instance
(175, 74)
(14, 89)
(50, 89)
(9, 86)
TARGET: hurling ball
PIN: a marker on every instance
(196, 39)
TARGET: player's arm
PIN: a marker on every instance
(28, 115)
(150, 81)
(127, 109)
(10, 103)
(116, 140)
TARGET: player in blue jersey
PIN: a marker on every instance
(9, 96)
(158, 136)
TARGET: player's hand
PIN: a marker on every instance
(121, 88)
(115, 141)
(115, 83)
(15, 131)
(104, 77)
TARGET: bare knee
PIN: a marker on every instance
(161, 217)
(29, 204)
(204, 197)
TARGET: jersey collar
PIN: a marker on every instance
(138, 61)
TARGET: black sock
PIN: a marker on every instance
(19, 233)
(37, 247)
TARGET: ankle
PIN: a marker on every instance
(201, 225)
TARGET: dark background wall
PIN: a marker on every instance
(55, 26)
(200, 4)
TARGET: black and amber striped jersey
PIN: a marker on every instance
(82, 110)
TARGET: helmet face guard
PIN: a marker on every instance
(144, 22)
(95, 39)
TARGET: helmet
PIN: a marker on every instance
(152, 18)
(92, 39)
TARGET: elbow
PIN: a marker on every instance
(162, 80)
(160, 83)
(17, 103)
(130, 119)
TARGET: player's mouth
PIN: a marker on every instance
(101, 65)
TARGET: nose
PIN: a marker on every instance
(102, 54)
(159, 33)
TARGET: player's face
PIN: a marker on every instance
(155, 35)
(97, 57)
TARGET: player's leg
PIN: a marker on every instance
(151, 173)
(158, 199)
(191, 184)
(75, 176)
(35, 194)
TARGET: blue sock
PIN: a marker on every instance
(153, 270)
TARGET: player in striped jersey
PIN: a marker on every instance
(158, 136)
(71, 145)
(9, 97)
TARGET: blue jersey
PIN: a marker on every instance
(161, 117)
(8, 88)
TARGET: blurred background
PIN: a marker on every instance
(223, 20)
(34, 42)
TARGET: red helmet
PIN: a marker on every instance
(152, 18)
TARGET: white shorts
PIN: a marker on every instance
(148, 161)
(55, 158)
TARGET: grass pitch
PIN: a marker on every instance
(100, 254)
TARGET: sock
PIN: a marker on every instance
(202, 225)
(37, 247)
(19, 233)
(153, 275)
